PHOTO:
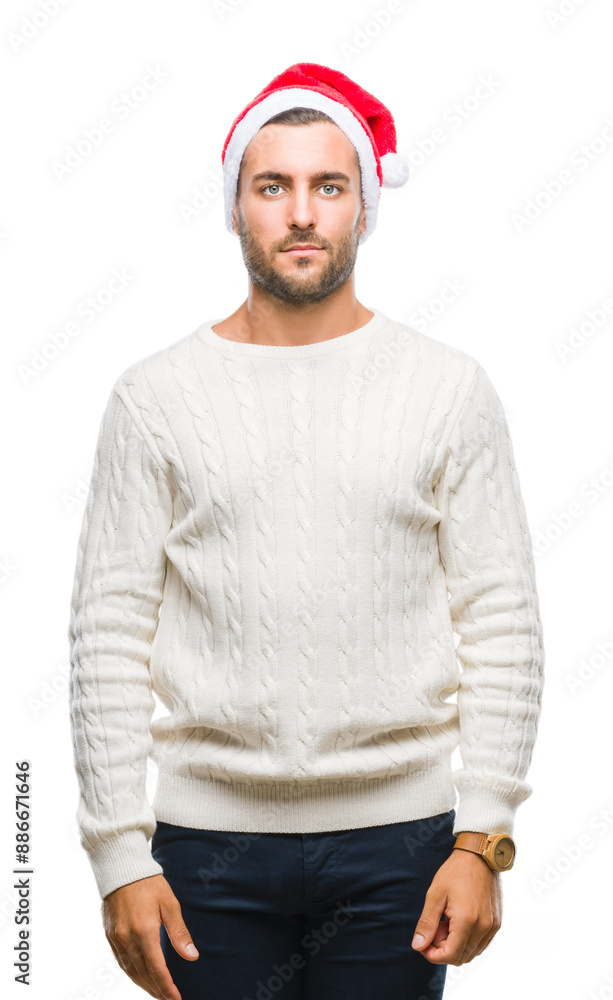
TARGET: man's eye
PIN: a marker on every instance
(268, 186)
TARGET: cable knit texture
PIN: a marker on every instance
(284, 544)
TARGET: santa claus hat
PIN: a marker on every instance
(366, 122)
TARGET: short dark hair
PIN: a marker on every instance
(299, 116)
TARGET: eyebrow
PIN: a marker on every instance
(322, 175)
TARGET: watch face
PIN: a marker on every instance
(504, 852)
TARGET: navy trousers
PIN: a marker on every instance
(304, 916)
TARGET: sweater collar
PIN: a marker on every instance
(208, 336)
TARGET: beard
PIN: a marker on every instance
(300, 289)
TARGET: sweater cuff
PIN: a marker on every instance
(485, 809)
(123, 858)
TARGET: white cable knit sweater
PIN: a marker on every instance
(280, 542)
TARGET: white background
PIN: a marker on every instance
(528, 289)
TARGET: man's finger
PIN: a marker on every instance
(452, 951)
(125, 962)
(478, 941)
(156, 967)
(429, 921)
(177, 930)
(442, 932)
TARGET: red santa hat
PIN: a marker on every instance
(366, 122)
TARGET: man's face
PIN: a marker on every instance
(274, 212)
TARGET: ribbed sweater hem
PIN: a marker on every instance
(285, 807)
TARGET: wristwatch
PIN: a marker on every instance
(496, 849)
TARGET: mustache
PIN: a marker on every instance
(307, 240)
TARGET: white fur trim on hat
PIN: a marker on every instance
(395, 170)
(297, 97)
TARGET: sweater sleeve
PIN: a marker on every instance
(486, 551)
(118, 587)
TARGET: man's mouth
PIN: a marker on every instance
(303, 250)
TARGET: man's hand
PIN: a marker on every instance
(132, 917)
(468, 892)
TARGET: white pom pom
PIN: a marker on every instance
(395, 170)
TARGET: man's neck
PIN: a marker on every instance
(258, 321)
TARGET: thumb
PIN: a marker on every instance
(178, 933)
(428, 923)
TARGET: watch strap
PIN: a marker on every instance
(469, 841)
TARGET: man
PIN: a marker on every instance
(291, 511)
